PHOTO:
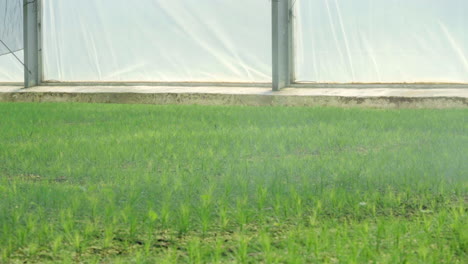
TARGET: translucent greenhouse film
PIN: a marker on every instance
(11, 40)
(393, 41)
(335, 41)
(157, 40)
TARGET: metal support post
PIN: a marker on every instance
(282, 32)
(32, 42)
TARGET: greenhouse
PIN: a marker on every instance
(247, 42)
(233, 131)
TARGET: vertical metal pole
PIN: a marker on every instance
(32, 42)
(282, 32)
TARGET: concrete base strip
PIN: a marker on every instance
(254, 96)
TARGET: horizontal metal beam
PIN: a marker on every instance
(4, 84)
(381, 85)
(292, 85)
(171, 84)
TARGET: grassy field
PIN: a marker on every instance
(163, 184)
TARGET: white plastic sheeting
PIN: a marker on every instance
(394, 41)
(157, 40)
(11, 40)
(11, 70)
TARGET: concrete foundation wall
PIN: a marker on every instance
(244, 96)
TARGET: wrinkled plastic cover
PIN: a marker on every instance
(393, 41)
(157, 40)
(11, 36)
(11, 70)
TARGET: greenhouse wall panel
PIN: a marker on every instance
(11, 41)
(157, 40)
(390, 41)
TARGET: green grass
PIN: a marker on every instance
(98, 183)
